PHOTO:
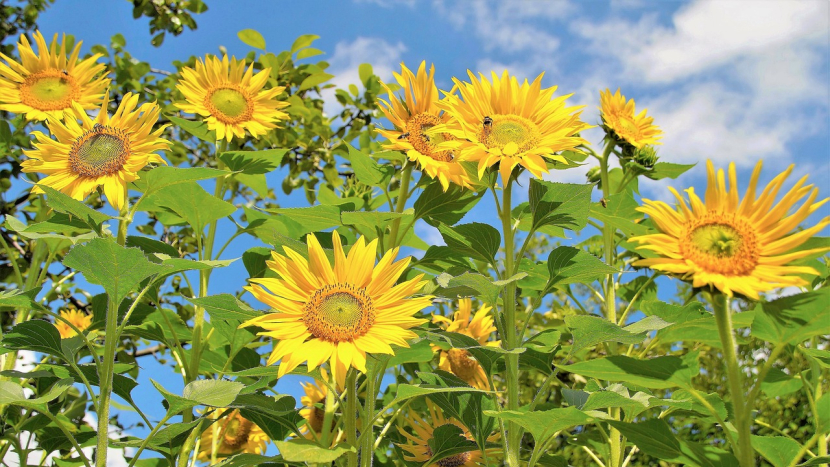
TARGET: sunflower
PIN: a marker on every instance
(78, 319)
(231, 97)
(107, 151)
(738, 246)
(232, 434)
(620, 118)
(413, 117)
(337, 314)
(458, 361)
(509, 124)
(47, 85)
(422, 433)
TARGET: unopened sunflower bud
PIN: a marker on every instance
(646, 156)
(593, 175)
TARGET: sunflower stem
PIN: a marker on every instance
(351, 415)
(376, 370)
(326, 435)
(514, 431)
(403, 196)
(723, 316)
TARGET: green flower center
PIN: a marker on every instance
(721, 243)
(100, 151)
(502, 130)
(229, 105)
(718, 240)
(48, 90)
(339, 312)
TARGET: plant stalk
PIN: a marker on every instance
(350, 415)
(403, 196)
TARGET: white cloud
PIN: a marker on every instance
(348, 56)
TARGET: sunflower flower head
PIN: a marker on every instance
(421, 433)
(108, 151)
(78, 319)
(315, 395)
(736, 245)
(231, 98)
(336, 312)
(507, 123)
(231, 434)
(479, 326)
(413, 116)
(48, 84)
(620, 120)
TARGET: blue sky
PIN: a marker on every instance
(727, 80)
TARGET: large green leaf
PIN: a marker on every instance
(162, 177)
(117, 269)
(12, 394)
(17, 299)
(793, 319)
(210, 392)
(436, 206)
(663, 170)
(543, 424)
(476, 240)
(657, 373)
(225, 306)
(311, 219)
(193, 204)
(778, 450)
(253, 162)
(252, 37)
(591, 330)
(702, 330)
(655, 438)
(473, 284)
(366, 169)
(569, 265)
(620, 212)
(35, 335)
(305, 450)
(198, 129)
(67, 205)
(368, 221)
(448, 440)
(560, 204)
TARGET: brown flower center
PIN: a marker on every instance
(49, 90)
(415, 132)
(236, 430)
(100, 151)
(339, 312)
(721, 244)
(462, 364)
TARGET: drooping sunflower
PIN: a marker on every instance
(108, 151)
(232, 434)
(413, 116)
(422, 432)
(46, 85)
(79, 319)
(230, 97)
(459, 361)
(315, 394)
(336, 313)
(510, 124)
(738, 246)
(620, 118)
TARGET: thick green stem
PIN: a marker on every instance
(514, 431)
(723, 316)
(367, 446)
(350, 415)
(326, 434)
(403, 196)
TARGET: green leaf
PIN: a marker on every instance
(778, 450)
(117, 269)
(777, 383)
(162, 177)
(12, 393)
(540, 350)
(569, 265)
(620, 212)
(822, 357)
(369, 220)
(36, 335)
(253, 162)
(655, 438)
(311, 219)
(467, 285)
(591, 330)
(816, 461)
(364, 71)
(476, 240)
(436, 206)
(193, 204)
(303, 41)
(252, 37)
(418, 352)
(314, 80)
(560, 204)
(199, 129)
(663, 170)
(308, 53)
(151, 246)
(543, 424)
(793, 319)
(212, 392)
(225, 306)
(366, 169)
(656, 373)
(617, 395)
(67, 205)
(26, 300)
(448, 440)
(305, 450)
(703, 330)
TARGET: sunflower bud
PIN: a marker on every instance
(646, 156)
(593, 175)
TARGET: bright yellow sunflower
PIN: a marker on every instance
(46, 85)
(422, 433)
(459, 361)
(337, 314)
(315, 394)
(232, 434)
(231, 98)
(108, 151)
(738, 246)
(620, 117)
(79, 319)
(510, 124)
(413, 116)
